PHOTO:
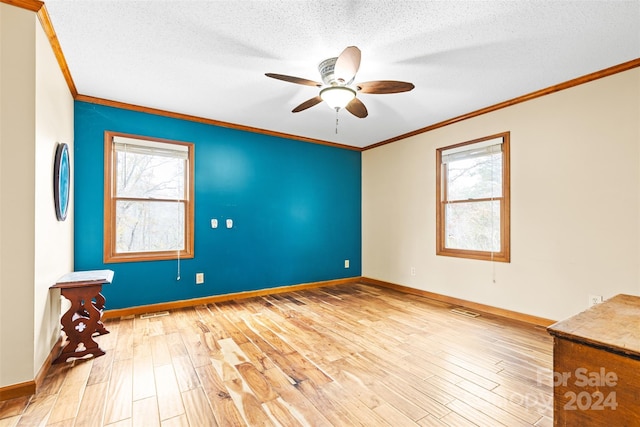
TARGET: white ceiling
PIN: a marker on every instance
(208, 58)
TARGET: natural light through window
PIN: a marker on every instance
(473, 199)
(149, 211)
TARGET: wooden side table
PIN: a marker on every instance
(83, 319)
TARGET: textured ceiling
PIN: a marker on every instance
(208, 58)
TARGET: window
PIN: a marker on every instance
(148, 199)
(473, 199)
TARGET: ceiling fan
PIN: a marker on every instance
(337, 88)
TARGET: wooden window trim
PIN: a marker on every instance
(505, 206)
(109, 254)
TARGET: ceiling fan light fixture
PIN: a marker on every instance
(337, 96)
(337, 88)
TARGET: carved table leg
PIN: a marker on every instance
(80, 322)
(99, 304)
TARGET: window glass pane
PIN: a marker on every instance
(149, 226)
(473, 226)
(475, 178)
(149, 176)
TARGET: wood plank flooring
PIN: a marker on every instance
(347, 355)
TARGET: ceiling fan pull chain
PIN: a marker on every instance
(337, 120)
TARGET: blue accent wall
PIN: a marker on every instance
(296, 209)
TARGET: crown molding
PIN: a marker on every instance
(40, 8)
(32, 5)
(625, 66)
(174, 115)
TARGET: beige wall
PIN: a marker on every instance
(36, 111)
(575, 188)
(17, 134)
(53, 238)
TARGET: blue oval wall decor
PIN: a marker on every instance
(61, 178)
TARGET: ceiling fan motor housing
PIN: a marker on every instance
(326, 69)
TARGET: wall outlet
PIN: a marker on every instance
(413, 271)
(199, 278)
(595, 299)
(346, 263)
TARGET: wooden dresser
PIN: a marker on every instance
(596, 364)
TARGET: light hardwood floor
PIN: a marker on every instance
(347, 355)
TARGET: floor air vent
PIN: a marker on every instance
(463, 312)
(152, 315)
